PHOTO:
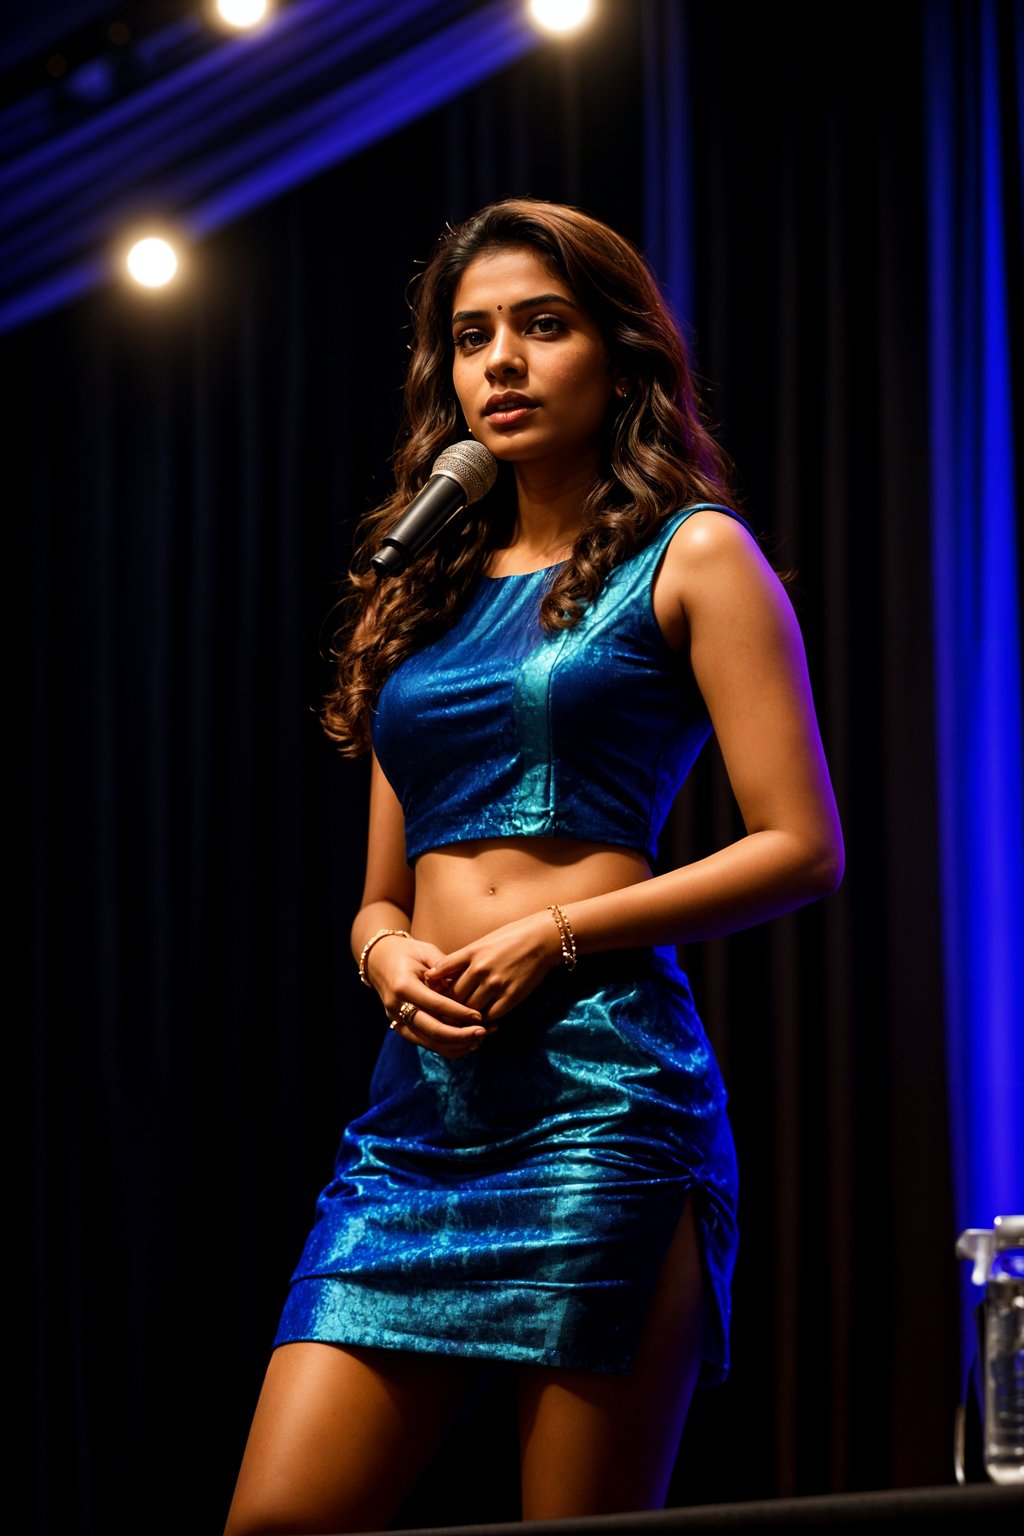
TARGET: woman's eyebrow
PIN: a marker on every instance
(540, 298)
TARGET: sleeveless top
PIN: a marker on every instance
(499, 730)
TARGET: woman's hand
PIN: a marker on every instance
(396, 967)
(497, 971)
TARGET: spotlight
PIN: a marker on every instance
(152, 262)
(242, 13)
(560, 15)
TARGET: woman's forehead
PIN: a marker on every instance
(507, 275)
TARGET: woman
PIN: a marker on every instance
(545, 1175)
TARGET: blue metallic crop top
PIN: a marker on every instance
(499, 730)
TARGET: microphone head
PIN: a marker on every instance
(471, 465)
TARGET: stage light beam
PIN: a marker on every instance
(152, 262)
(560, 15)
(242, 13)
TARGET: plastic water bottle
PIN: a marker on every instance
(1004, 1367)
(998, 1258)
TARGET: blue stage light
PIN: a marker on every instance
(976, 617)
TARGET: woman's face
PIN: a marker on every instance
(531, 369)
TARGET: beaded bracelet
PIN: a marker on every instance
(382, 933)
(566, 934)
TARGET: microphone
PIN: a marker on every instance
(460, 475)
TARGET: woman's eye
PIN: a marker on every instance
(546, 325)
(467, 340)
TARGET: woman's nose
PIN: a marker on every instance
(505, 356)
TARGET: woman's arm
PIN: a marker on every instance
(716, 591)
(389, 885)
(395, 967)
(748, 659)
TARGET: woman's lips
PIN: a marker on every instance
(509, 415)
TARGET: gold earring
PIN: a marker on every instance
(622, 390)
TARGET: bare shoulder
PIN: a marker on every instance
(709, 538)
(712, 563)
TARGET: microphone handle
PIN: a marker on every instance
(441, 499)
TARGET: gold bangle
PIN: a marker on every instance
(566, 935)
(382, 933)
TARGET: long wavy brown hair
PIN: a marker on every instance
(657, 454)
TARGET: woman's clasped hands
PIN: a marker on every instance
(457, 997)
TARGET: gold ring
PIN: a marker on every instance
(406, 1012)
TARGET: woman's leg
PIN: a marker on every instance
(340, 1436)
(593, 1443)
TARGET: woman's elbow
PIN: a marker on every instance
(824, 868)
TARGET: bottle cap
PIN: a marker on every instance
(981, 1244)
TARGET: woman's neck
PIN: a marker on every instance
(550, 510)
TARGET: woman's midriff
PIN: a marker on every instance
(467, 889)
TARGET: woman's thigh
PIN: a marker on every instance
(340, 1436)
(593, 1443)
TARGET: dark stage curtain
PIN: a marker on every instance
(197, 1036)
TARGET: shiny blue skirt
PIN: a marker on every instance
(517, 1204)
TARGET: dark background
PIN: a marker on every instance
(186, 478)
